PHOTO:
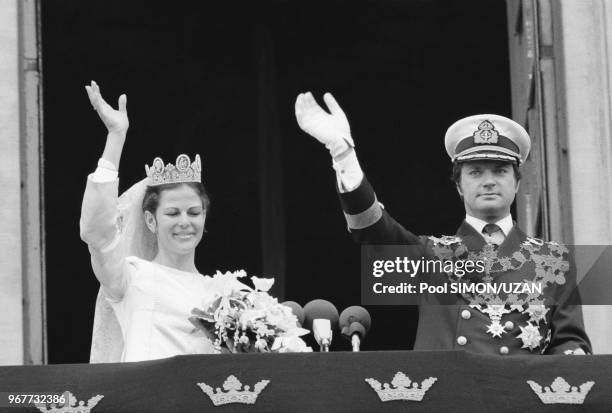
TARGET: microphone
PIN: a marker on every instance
(355, 322)
(297, 311)
(322, 317)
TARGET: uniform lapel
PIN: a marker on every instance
(475, 241)
(471, 239)
(512, 243)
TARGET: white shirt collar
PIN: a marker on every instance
(505, 223)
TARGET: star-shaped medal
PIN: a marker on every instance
(531, 337)
(495, 329)
(537, 313)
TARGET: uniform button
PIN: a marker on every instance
(509, 325)
(461, 340)
(465, 314)
(503, 350)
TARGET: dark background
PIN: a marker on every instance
(402, 70)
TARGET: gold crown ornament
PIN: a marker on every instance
(232, 392)
(71, 405)
(403, 388)
(560, 392)
(183, 171)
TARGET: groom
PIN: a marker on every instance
(486, 152)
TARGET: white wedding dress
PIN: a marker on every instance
(153, 313)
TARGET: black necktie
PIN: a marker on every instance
(494, 234)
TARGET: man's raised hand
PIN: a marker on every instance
(331, 129)
(116, 121)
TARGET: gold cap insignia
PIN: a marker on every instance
(560, 392)
(486, 133)
(232, 392)
(401, 388)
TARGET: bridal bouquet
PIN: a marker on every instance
(247, 320)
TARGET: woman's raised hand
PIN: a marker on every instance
(116, 121)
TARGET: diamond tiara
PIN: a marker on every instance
(184, 171)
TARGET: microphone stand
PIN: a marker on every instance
(355, 342)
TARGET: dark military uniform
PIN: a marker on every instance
(480, 324)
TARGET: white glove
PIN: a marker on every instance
(332, 130)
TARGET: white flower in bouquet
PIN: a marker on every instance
(262, 301)
(248, 317)
(261, 345)
(291, 342)
(262, 284)
(227, 284)
(282, 317)
(248, 320)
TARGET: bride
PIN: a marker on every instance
(142, 249)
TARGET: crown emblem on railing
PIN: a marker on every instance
(71, 405)
(560, 392)
(183, 171)
(232, 392)
(401, 388)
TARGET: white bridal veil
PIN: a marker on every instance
(136, 240)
